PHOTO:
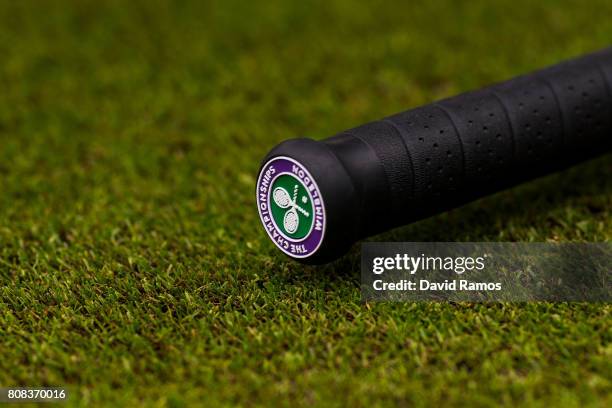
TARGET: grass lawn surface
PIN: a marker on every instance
(133, 267)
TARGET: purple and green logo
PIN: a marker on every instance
(291, 207)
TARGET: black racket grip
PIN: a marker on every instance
(417, 163)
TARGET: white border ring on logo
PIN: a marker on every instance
(296, 248)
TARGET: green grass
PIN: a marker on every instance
(133, 267)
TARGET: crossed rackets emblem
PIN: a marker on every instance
(291, 220)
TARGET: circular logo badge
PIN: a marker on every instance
(291, 207)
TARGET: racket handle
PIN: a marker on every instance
(417, 163)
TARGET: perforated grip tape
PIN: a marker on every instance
(426, 160)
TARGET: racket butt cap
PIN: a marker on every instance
(307, 201)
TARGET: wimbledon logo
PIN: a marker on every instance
(290, 207)
(287, 210)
